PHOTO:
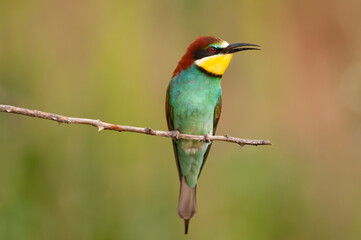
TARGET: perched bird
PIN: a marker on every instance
(193, 106)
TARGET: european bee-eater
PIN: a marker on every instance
(193, 106)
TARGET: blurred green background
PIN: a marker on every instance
(112, 60)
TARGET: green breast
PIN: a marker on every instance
(193, 96)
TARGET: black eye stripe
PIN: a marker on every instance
(201, 53)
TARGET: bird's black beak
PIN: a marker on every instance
(236, 47)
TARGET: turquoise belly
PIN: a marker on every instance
(193, 96)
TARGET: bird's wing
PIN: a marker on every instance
(169, 114)
(216, 116)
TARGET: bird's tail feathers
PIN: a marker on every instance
(187, 204)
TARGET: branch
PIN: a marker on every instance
(108, 126)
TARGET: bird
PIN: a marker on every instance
(194, 106)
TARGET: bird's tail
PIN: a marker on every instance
(187, 204)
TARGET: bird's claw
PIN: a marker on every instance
(207, 138)
(175, 135)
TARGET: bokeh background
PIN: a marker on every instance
(112, 60)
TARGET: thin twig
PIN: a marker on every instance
(120, 128)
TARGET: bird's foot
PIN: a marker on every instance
(175, 135)
(207, 138)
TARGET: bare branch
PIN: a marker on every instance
(108, 126)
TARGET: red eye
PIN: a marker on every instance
(212, 49)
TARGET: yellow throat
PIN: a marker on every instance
(216, 64)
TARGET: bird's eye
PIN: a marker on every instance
(212, 49)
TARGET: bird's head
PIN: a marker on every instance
(211, 54)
